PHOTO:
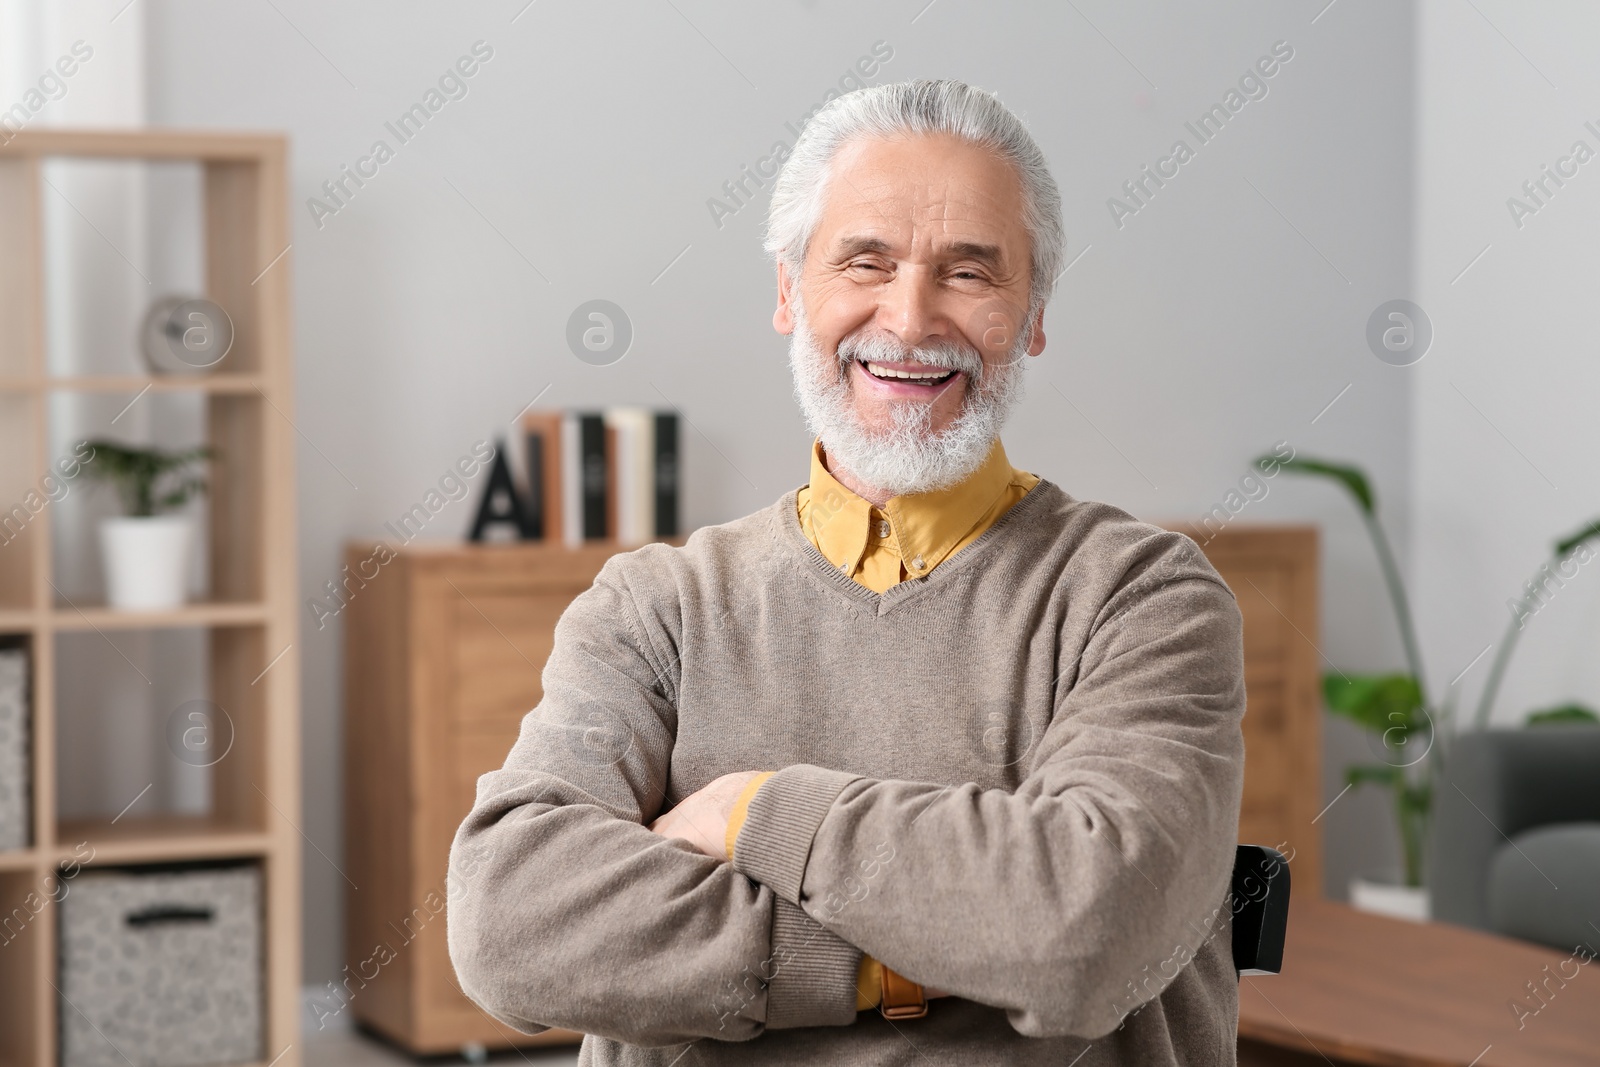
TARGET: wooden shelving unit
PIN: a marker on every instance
(250, 620)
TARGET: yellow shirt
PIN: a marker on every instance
(912, 534)
(878, 548)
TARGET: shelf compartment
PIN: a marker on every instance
(162, 742)
(225, 574)
(18, 620)
(18, 859)
(21, 349)
(24, 499)
(81, 616)
(157, 839)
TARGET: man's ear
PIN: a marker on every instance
(1036, 345)
(783, 317)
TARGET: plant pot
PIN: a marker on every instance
(146, 561)
(1388, 898)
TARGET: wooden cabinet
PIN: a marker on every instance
(444, 645)
(1272, 571)
(444, 649)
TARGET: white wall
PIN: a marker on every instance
(1505, 404)
(109, 229)
(432, 306)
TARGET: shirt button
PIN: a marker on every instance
(917, 564)
(883, 528)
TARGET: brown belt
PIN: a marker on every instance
(900, 998)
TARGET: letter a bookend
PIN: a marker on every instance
(501, 503)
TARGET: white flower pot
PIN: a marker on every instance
(146, 561)
(1387, 898)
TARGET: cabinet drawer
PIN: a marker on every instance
(501, 643)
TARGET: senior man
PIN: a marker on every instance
(927, 763)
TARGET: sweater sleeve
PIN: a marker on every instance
(868, 989)
(1051, 901)
(741, 808)
(564, 909)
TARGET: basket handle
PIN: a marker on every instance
(168, 913)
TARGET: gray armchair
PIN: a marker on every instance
(1516, 834)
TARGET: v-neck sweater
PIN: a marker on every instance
(908, 537)
(1016, 779)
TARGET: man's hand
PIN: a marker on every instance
(701, 818)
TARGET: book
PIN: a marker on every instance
(612, 474)
(541, 431)
(533, 500)
(571, 482)
(596, 524)
(664, 475)
(611, 479)
(633, 459)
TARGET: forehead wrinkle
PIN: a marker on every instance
(932, 204)
(863, 198)
(929, 186)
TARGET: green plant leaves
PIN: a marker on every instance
(1563, 715)
(135, 473)
(1567, 544)
(1350, 477)
(1380, 773)
(1378, 702)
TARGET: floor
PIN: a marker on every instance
(353, 1049)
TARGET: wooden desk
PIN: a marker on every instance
(1361, 989)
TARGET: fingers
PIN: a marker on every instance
(685, 825)
(701, 818)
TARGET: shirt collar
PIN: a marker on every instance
(839, 520)
(926, 526)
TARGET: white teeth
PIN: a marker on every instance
(879, 370)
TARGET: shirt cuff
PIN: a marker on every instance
(869, 984)
(741, 807)
(780, 822)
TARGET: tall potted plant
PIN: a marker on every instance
(145, 551)
(1411, 734)
(1393, 708)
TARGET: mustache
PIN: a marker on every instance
(881, 347)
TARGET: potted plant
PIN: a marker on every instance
(1410, 734)
(145, 552)
(1394, 709)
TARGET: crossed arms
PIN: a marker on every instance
(567, 910)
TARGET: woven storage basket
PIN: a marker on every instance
(161, 967)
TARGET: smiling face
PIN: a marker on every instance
(910, 317)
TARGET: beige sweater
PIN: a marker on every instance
(1016, 779)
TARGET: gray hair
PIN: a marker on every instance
(915, 107)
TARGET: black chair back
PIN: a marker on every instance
(1260, 905)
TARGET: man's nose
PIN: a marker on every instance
(909, 307)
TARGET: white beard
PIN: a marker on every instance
(907, 456)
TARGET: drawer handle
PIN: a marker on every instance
(169, 913)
